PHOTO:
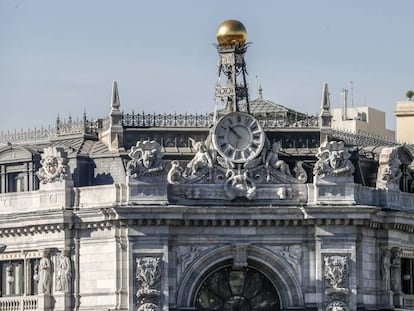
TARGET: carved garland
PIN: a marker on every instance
(148, 280)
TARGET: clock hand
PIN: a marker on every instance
(234, 132)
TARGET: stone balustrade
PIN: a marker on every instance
(22, 303)
(67, 197)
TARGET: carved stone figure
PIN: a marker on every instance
(44, 276)
(385, 269)
(202, 159)
(272, 161)
(145, 159)
(333, 160)
(395, 269)
(336, 272)
(54, 166)
(148, 275)
(389, 172)
(63, 273)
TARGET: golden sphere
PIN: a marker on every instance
(231, 32)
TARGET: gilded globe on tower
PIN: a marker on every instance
(231, 32)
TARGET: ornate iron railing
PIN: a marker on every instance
(62, 128)
(362, 138)
(142, 120)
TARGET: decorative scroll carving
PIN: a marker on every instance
(146, 159)
(174, 174)
(333, 160)
(63, 273)
(385, 269)
(389, 172)
(148, 275)
(54, 166)
(395, 269)
(336, 272)
(337, 306)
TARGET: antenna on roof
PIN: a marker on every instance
(351, 88)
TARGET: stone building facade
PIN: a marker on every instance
(228, 211)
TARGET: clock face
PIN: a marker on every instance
(238, 137)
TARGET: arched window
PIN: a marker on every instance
(243, 290)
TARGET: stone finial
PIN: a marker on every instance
(325, 114)
(115, 103)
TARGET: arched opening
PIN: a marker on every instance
(270, 266)
(227, 289)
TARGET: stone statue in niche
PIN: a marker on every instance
(336, 273)
(63, 273)
(201, 160)
(145, 159)
(389, 172)
(333, 160)
(385, 269)
(148, 275)
(54, 166)
(395, 269)
(44, 276)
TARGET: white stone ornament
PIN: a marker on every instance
(148, 275)
(201, 160)
(145, 159)
(54, 166)
(389, 172)
(333, 160)
(337, 306)
(336, 272)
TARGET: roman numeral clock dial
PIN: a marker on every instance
(238, 137)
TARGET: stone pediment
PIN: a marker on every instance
(13, 154)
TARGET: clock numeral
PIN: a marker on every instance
(246, 153)
(229, 151)
(230, 121)
(237, 154)
(221, 136)
(239, 119)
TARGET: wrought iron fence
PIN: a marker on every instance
(143, 119)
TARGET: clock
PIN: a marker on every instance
(238, 137)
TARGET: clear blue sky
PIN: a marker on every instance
(60, 57)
